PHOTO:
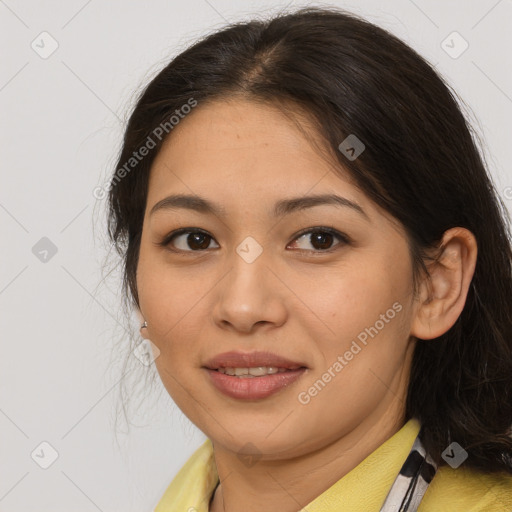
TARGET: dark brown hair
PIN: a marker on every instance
(421, 164)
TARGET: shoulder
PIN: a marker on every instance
(468, 490)
(193, 485)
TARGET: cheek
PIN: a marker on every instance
(169, 303)
(364, 317)
(348, 300)
(176, 304)
(165, 292)
(360, 353)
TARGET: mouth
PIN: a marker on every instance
(255, 372)
(253, 387)
(251, 363)
(252, 375)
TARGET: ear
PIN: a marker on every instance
(140, 320)
(441, 299)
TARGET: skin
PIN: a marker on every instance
(306, 305)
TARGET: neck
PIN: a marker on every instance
(279, 485)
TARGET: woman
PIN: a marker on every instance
(322, 265)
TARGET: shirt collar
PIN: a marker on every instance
(363, 488)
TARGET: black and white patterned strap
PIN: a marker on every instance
(412, 482)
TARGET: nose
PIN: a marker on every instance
(250, 297)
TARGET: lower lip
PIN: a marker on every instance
(253, 388)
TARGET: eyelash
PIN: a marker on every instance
(344, 239)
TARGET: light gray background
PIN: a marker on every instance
(62, 120)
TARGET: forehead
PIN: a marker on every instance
(241, 143)
(246, 157)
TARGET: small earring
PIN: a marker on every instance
(144, 325)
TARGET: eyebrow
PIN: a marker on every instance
(281, 208)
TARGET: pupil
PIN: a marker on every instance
(318, 236)
(195, 237)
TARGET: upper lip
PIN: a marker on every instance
(250, 360)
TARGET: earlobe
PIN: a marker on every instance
(144, 329)
(142, 323)
(443, 296)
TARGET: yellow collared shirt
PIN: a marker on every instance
(364, 488)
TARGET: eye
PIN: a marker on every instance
(197, 240)
(321, 238)
(188, 240)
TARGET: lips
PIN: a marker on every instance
(257, 388)
(236, 359)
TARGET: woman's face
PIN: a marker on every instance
(262, 273)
